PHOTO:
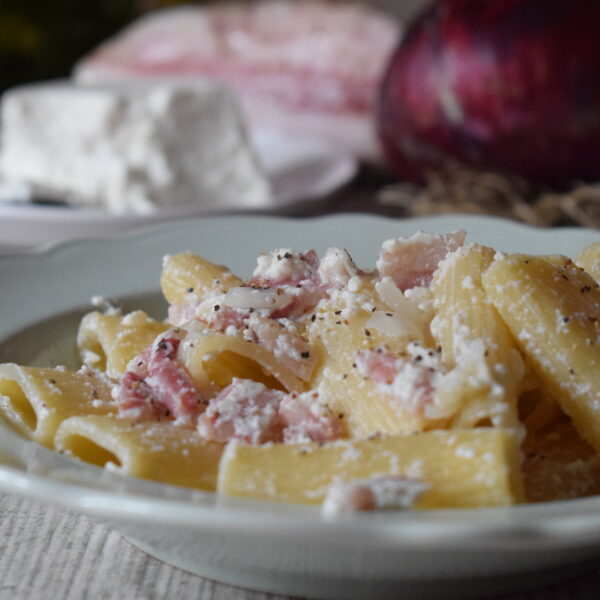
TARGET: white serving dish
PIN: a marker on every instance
(271, 547)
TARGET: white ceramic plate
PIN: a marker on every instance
(298, 169)
(278, 548)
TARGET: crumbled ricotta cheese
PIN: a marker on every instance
(376, 493)
(281, 265)
(337, 268)
(131, 147)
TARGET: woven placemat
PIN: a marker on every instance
(457, 189)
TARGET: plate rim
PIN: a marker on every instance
(462, 220)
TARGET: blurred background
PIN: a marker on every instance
(43, 40)
(510, 125)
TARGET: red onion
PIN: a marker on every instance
(508, 84)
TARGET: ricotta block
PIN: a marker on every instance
(131, 147)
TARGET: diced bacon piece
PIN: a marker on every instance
(171, 383)
(411, 262)
(377, 493)
(379, 365)
(285, 284)
(156, 385)
(136, 399)
(245, 410)
(178, 314)
(307, 420)
(284, 341)
(310, 67)
(224, 317)
(139, 365)
(337, 268)
(410, 380)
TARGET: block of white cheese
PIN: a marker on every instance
(131, 147)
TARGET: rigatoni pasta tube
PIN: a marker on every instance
(467, 468)
(475, 342)
(159, 451)
(35, 400)
(554, 312)
(341, 327)
(201, 355)
(186, 276)
(109, 342)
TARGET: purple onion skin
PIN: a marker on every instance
(508, 84)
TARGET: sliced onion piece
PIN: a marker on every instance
(410, 317)
(247, 297)
(390, 324)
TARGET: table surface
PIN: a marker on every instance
(49, 553)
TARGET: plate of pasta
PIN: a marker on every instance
(371, 408)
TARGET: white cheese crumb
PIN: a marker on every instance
(467, 283)
(105, 305)
(377, 493)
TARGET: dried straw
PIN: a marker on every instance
(457, 189)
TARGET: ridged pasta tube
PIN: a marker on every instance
(186, 276)
(214, 359)
(35, 400)
(159, 451)
(110, 342)
(554, 313)
(467, 468)
(476, 344)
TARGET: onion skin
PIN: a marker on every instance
(508, 84)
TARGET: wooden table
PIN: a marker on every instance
(47, 553)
